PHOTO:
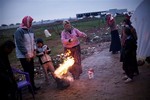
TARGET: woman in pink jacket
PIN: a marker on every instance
(70, 40)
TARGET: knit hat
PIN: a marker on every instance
(39, 40)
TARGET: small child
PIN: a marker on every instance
(42, 53)
(46, 62)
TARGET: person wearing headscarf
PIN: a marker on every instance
(127, 24)
(25, 47)
(115, 45)
(128, 15)
(129, 59)
(70, 40)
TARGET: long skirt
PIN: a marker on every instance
(133, 61)
(115, 41)
(76, 69)
(128, 66)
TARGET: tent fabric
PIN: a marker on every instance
(141, 22)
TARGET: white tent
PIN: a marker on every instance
(141, 22)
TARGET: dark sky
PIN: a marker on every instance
(12, 11)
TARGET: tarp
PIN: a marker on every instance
(141, 21)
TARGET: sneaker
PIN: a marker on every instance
(128, 80)
(125, 77)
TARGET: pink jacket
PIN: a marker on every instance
(112, 24)
(74, 36)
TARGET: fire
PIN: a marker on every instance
(68, 53)
(62, 70)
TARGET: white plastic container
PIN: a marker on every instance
(91, 73)
(47, 33)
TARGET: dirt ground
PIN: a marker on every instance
(107, 83)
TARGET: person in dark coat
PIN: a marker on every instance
(8, 85)
(127, 23)
(129, 57)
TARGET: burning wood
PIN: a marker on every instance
(62, 71)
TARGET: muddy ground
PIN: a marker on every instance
(107, 83)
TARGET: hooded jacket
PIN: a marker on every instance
(24, 39)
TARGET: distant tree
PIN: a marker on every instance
(11, 25)
(17, 23)
(4, 25)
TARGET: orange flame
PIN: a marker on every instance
(63, 68)
(68, 52)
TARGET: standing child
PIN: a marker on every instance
(45, 60)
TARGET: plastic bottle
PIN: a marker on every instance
(91, 73)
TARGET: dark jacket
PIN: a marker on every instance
(43, 57)
(8, 85)
(129, 50)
